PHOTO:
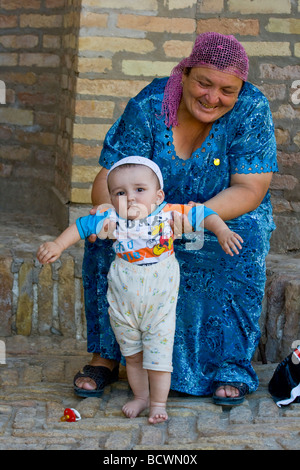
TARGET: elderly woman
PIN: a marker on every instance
(211, 133)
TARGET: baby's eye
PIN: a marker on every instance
(140, 190)
(120, 193)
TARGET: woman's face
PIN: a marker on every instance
(208, 94)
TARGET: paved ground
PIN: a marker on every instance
(36, 387)
(30, 420)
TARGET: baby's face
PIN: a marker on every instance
(134, 191)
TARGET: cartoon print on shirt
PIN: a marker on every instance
(165, 240)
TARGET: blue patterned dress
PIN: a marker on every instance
(219, 304)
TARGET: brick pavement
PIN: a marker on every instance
(36, 387)
(30, 418)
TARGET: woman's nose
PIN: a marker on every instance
(213, 96)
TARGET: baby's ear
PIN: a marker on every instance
(160, 196)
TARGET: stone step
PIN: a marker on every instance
(280, 320)
(38, 300)
(42, 300)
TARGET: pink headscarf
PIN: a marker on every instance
(211, 50)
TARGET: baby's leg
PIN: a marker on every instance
(159, 390)
(138, 381)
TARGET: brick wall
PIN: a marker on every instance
(270, 33)
(119, 47)
(123, 45)
(38, 44)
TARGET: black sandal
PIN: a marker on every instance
(230, 401)
(101, 375)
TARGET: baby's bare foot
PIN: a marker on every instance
(134, 407)
(158, 413)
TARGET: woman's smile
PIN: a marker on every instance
(206, 106)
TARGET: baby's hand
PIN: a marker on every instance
(230, 241)
(48, 252)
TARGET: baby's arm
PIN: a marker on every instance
(102, 224)
(50, 251)
(229, 240)
(193, 218)
(83, 227)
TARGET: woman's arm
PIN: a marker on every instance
(245, 194)
(100, 194)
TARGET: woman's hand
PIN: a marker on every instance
(180, 224)
(108, 228)
(93, 238)
(100, 196)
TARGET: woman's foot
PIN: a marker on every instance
(158, 413)
(133, 408)
(229, 393)
(86, 383)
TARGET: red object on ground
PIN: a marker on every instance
(69, 415)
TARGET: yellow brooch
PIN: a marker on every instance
(217, 161)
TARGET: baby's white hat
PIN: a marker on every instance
(137, 160)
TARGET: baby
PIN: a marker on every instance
(143, 279)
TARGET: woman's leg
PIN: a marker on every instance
(217, 329)
(100, 337)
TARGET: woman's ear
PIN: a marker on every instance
(160, 196)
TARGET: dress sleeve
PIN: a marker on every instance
(130, 135)
(253, 148)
